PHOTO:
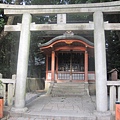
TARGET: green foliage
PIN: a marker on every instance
(36, 57)
(2, 19)
(113, 54)
(8, 55)
(53, 2)
(113, 41)
(2, 23)
(1, 84)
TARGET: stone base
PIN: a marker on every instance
(103, 115)
(92, 88)
(19, 110)
(47, 85)
(86, 87)
(6, 115)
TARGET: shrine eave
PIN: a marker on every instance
(67, 37)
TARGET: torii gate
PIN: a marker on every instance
(98, 26)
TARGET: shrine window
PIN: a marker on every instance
(49, 63)
(71, 61)
(91, 64)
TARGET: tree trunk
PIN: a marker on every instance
(4, 33)
(9, 22)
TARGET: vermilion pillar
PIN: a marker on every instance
(46, 67)
(57, 65)
(86, 66)
(53, 66)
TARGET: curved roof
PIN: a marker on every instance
(66, 37)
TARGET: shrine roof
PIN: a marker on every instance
(66, 37)
(111, 71)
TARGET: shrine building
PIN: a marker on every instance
(69, 58)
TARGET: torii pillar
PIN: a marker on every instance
(22, 64)
(100, 63)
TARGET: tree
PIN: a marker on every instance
(113, 41)
(9, 41)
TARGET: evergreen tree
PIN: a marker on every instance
(9, 41)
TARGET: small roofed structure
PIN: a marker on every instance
(113, 74)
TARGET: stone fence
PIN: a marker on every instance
(8, 89)
(114, 93)
(33, 85)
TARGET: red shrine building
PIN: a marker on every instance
(69, 58)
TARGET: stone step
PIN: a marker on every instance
(62, 92)
(68, 95)
(50, 117)
(73, 93)
(68, 89)
(66, 92)
(69, 84)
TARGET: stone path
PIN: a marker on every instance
(58, 108)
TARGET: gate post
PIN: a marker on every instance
(100, 62)
(22, 64)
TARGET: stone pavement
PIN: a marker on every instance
(58, 108)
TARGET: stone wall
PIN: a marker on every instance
(34, 84)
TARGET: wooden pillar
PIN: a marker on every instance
(86, 66)
(57, 66)
(46, 67)
(53, 66)
(71, 66)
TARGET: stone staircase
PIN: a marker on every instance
(68, 89)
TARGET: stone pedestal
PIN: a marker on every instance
(47, 85)
(86, 87)
(103, 115)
